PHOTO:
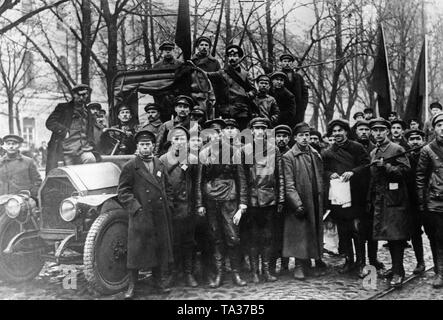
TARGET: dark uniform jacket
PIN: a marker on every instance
(167, 64)
(430, 177)
(154, 126)
(220, 182)
(286, 103)
(265, 178)
(161, 145)
(402, 142)
(17, 174)
(59, 122)
(389, 194)
(208, 63)
(150, 230)
(268, 108)
(296, 84)
(231, 86)
(351, 156)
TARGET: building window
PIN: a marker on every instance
(29, 130)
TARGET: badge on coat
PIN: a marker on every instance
(159, 174)
(393, 186)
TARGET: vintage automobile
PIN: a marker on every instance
(77, 218)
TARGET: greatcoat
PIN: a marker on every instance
(303, 171)
(150, 232)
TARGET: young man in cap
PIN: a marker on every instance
(182, 107)
(315, 140)
(393, 116)
(435, 108)
(182, 172)
(296, 85)
(415, 138)
(17, 172)
(222, 197)
(388, 196)
(198, 115)
(346, 161)
(101, 118)
(429, 178)
(72, 126)
(145, 193)
(414, 124)
(153, 123)
(167, 61)
(303, 230)
(283, 135)
(358, 116)
(285, 99)
(202, 57)
(233, 89)
(127, 124)
(94, 108)
(368, 114)
(398, 127)
(267, 105)
(266, 196)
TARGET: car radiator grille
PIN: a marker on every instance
(53, 193)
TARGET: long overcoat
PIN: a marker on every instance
(389, 194)
(59, 122)
(150, 232)
(303, 237)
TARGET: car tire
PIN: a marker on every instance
(105, 252)
(14, 267)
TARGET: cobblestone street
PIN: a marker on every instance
(332, 286)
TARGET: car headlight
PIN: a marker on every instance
(68, 209)
(14, 206)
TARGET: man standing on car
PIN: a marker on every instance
(145, 193)
(17, 172)
(72, 126)
(168, 61)
(154, 123)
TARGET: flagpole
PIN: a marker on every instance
(387, 67)
(425, 100)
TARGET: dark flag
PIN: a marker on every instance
(183, 33)
(380, 82)
(415, 105)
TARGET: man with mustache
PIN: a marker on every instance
(363, 132)
(283, 135)
(415, 138)
(315, 140)
(126, 123)
(345, 160)
(203, 58)
(234, 91)
(398, 127)
(153, 122)
(430, 194)
(182, 107)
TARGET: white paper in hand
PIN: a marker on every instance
(340, 193)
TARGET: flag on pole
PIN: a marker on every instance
(380, 80)
(183, 33)
(416, 101)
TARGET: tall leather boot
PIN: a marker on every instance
(234, 256)
(359, 251)
(133, 277)
(397, 250)
(417, 244)
(272, 265)
(438, 281)
(217, 281)
(253, 258)
(372, 254)
(187, 263)
(266, 256)
(434, 252)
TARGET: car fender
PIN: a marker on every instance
(95, 200)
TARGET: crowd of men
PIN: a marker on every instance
(201, 186)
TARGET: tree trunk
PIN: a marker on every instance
(86, 44)
(269, 38)
(228, 22)
(217, 32)
(123, 46)
(146, 45)
(112, 57)
(17, 120)
(11, 112)
(151, 27)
